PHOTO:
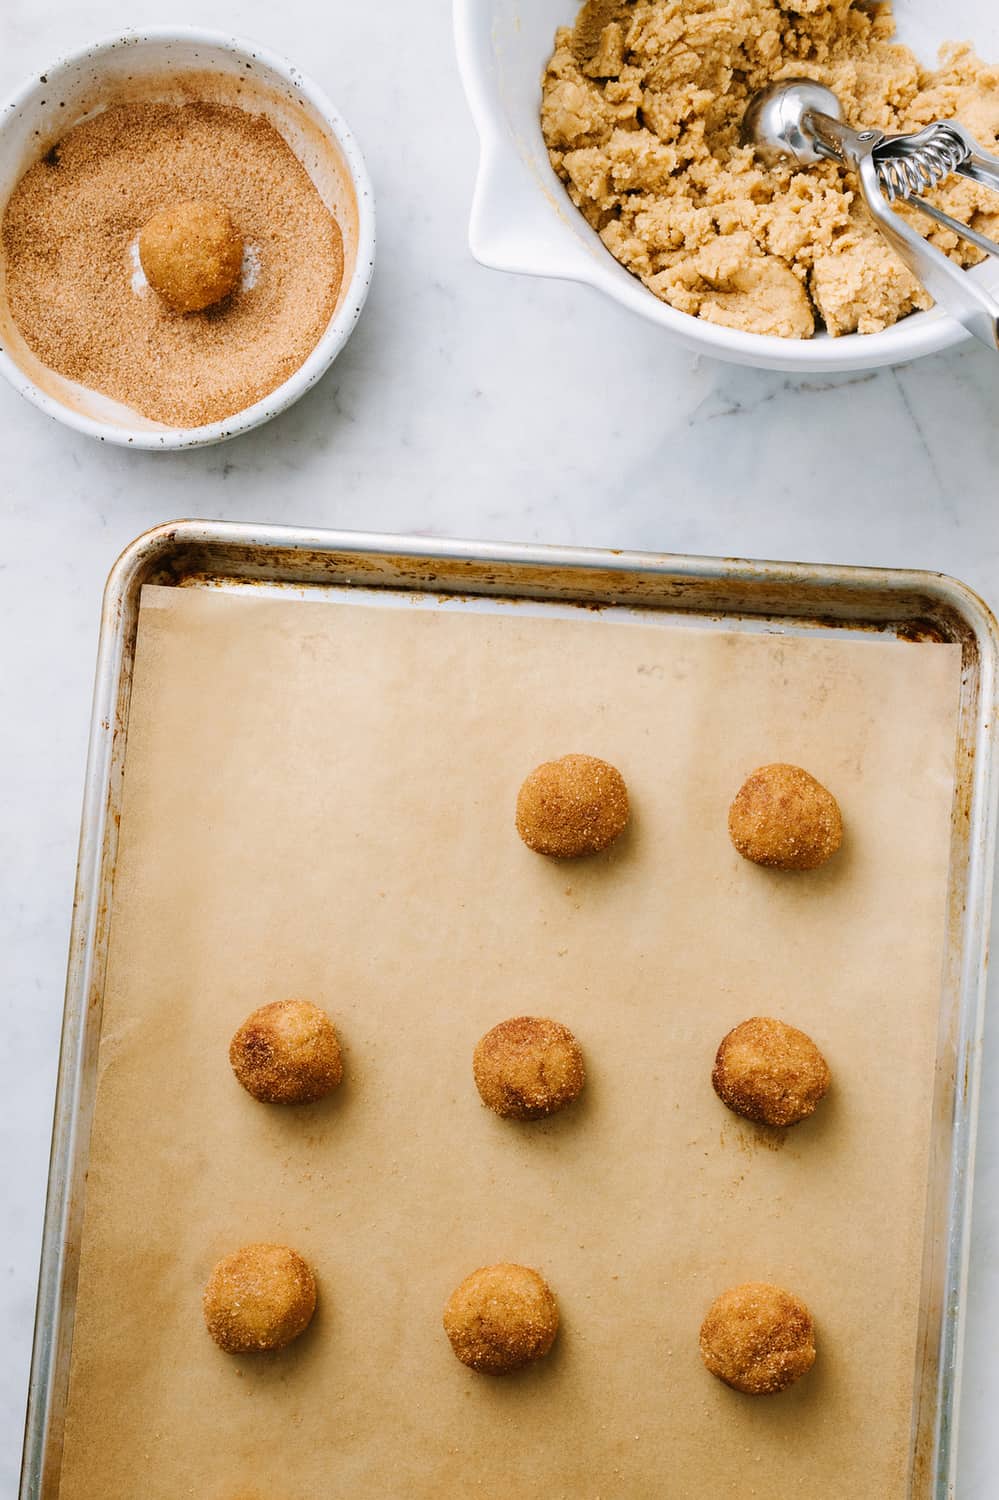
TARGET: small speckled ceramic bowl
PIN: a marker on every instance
(144, 63)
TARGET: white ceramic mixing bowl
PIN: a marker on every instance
(522, 219)
(144, 63)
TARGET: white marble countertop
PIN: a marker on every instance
(468, 404)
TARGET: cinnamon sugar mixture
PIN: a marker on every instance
(68, 237)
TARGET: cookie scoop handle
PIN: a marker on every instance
(959, 293)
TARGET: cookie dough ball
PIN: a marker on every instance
(192, 254)
(758, 1338)
(528, 1067)
(261, 1297)
(770, 1072)
(501, 1318)
(287, 1053)
(573, 806)
(784, 818)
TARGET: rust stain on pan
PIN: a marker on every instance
(920, 631)
(763, 590)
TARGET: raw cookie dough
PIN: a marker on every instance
(287, 1053)
(528, 1067)
(261, 1297)
(573, 806)
(770, 1072)
(782, 817)
(501, 1318)
(759, 1339)
(192, 254)
(642, 106)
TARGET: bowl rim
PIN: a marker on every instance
(162, 438)
(912, 337)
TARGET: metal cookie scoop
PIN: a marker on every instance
(801, 120)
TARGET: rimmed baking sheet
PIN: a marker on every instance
(318, 799)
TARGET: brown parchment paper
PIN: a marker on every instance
(319, 801)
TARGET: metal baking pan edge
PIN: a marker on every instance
(915, 605)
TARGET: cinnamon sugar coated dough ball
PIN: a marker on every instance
(192, 254)
(528, 1067)
(287, 1053)
(770, 1072)
(573, 806)
(784, 818)
(501, 1318)
(758, 1338)
(261, 1297)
